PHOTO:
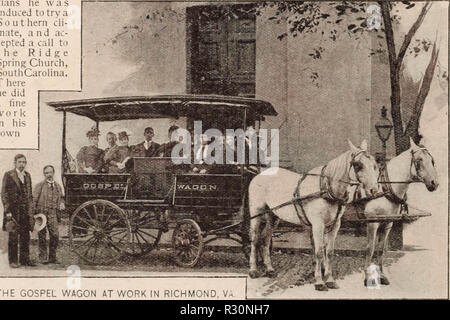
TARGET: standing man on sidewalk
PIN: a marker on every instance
(48, 200)
(17, 201)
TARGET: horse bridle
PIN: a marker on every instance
(415, 164)
(326, 187)
(384, 178)
(324, 190)
(355, 170)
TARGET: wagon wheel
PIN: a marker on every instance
(145, 232)
(187, 241)
(99, 231)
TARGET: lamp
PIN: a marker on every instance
(384, 128)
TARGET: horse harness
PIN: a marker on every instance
(388, 192)
(386, 184)
(324, 192)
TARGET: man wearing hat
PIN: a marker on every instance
(117, 156)
(90, 158)
(17, 201)
(146, 148)
(48, 200)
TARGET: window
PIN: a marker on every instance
(221, 50)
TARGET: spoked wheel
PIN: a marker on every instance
(146, 231)
(187, 241)
(99, 231)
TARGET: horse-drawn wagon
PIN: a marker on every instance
(112, 214)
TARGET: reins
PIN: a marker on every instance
(387, 184)
(415, 177)
(325, 192)
(351, 182)
(387, 188)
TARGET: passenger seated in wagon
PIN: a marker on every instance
(146, 148)
(165, 149)
(117, 157)
(201, 155)
(90, 158)
(111, 139)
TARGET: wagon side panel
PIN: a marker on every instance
(80, 188)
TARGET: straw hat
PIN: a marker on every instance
(40, 221)
(11, 225)
(122, 134)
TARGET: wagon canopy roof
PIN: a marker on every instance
(161, 106)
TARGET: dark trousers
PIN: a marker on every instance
(19, 241)
(53, 234)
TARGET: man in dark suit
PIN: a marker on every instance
(146, 148)
(17, 201)
(165, 150)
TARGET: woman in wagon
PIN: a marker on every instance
(111, 139)
(90, 157)
(117, 157)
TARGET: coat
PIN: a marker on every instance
(165, 150)
(117, 154)
(14, 201)
(139, 150)
(90, 156)
(40, 198)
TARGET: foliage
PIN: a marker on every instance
(304, 17)
(332, 20)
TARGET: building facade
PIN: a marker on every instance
(158, 48)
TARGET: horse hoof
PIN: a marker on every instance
(253, 274)
(332, 285)
(320, 287)
(271, 274)
(384, 281)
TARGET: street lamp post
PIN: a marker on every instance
(384, 129)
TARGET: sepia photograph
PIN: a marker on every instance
(225, 150)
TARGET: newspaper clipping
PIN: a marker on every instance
(176, 150)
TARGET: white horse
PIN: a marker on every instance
(324, 192)
(413, 165)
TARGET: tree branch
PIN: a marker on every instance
(411, 33)
(394, 76)
(389, 33)
(413, 123)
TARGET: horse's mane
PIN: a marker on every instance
(337, 170)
